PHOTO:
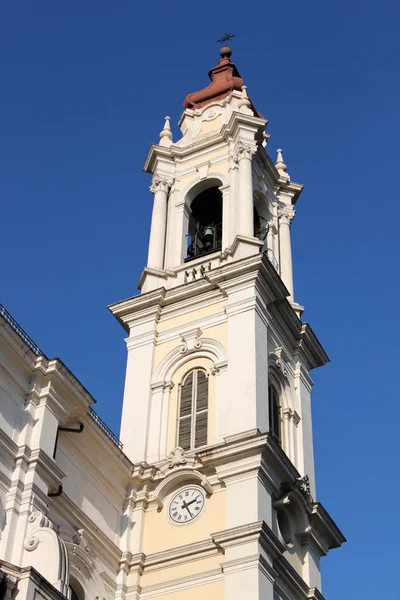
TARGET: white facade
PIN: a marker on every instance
(80, 516)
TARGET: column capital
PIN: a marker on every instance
(286, 214)
(160, 183)
(243, 150)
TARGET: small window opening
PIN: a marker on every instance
(274, 413)
(260, 226)
(205, 224)
(284, 525)
(193, 411)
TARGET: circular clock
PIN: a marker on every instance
(186, 505)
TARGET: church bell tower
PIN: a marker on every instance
(217, 411)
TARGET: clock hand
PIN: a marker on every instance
(184, 505)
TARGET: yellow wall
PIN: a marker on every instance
(222, 167)
(187, 317)
(211, 591)
(213, 125)
(160, 534)
(184, 570)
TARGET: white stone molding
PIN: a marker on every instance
(286, 214)
(85, 565)
(276, 362)
(192, 345)
(160, 183)
(198, 185)
(176, 458)
(278, 373)
(203, 170)
(178, 477)
(226, 212)
(243, 150)
(47, 552)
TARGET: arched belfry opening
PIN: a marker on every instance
(260, 226)
(205, 223)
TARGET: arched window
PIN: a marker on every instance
(274, 413)
(77, 592)
(193, 410)
(205, 223)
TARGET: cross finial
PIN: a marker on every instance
(226, 37)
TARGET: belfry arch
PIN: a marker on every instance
(204, 218)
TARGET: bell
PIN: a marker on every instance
(208, 235)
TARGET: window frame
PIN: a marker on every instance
(274, 410)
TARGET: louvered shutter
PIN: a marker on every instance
(274, 413)
(193, 411)
(201, 409)
(185, 413)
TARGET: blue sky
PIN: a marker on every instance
(85, 88)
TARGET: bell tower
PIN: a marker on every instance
(217, 411)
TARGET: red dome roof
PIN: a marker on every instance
(224, 79)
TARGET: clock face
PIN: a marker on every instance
(186, 505)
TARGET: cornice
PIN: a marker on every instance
(19, 346)
(228, 132)
(54, 367)
(325, 527)
(289, 187)
(40, 583)
(288, 576)
(281, 572)
(311, 347)
(8, 445)
(46, 466)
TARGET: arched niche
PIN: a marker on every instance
(85, 578)
(279, 377)
(204, 217)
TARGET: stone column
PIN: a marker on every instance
(285, 215)
(226, 201)
(244, 212)
(160, 188)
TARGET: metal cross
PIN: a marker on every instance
(226, 38)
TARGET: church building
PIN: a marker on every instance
(210, 490)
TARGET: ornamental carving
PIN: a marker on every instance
(303, 484)
(276, 361)
(286, 214)
(160, 184)
(31, 543)
(191, 341)
(176, 458)
(243, 151)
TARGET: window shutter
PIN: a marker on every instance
(202, 391)
(193, 411)
(185, 413)
(201, 429)
(201, 409)
(184, 433)
(274, 413)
